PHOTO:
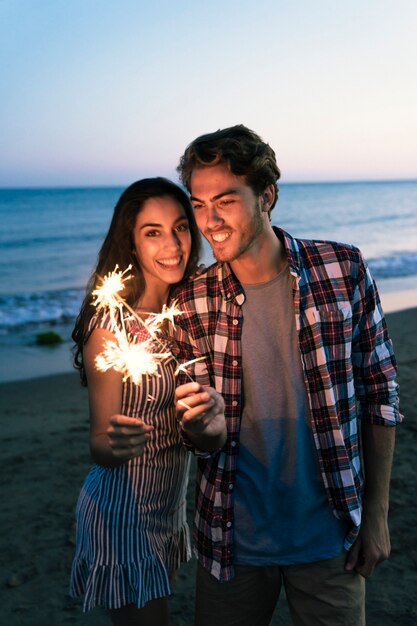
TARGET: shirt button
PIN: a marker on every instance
(234, 363)
(234, 403)
(235, 322)
(230, 487)
(233, 444)
(229, 524)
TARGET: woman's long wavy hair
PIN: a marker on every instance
(118, 249)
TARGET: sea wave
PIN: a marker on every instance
(62, 306)
(35, 308)
(36, 242)
(396, 265)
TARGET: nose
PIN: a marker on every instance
(172, 240)
(213, 219)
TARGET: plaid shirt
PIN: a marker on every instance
(349, 371)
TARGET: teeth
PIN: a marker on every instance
(170, 262)
(220, 237)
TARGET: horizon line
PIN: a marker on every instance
(347, 181)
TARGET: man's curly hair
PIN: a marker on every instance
(241, 149)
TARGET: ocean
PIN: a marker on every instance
(49, 240)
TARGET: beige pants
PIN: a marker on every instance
(318, 594)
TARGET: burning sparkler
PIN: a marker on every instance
(167, 313)
(131, 358)
(107, 295)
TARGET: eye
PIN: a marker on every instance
(152, 233)
(197, 206)
(183, 227)
(226, 201)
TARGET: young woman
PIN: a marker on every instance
(131, 514)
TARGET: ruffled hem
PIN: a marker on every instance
(135, 582)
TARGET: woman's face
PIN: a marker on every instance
(162, 242)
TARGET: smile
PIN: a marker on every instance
(220, 237)
(172, 262)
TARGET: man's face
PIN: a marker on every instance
(227, 212)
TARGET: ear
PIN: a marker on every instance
(268, 198)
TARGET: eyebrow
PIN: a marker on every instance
(228, 192)
(183, 218)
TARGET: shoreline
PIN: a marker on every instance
(27, 361)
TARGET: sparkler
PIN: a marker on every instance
(167, 313)
(131, 358)
(182, 367)
(107, 294)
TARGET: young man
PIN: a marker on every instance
(291, 333)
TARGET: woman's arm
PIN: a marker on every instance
(114, 438)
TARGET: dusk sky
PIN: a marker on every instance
(103, 92)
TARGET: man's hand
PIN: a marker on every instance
(127, 436)
(372, 545)
(201, 413)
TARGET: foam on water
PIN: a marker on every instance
(39, 307)
(17, 310)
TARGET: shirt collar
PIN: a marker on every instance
(231, 288)
(291, 249)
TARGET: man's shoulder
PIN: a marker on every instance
(301, 251)
(323, 251)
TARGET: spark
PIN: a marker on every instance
(107, 295)
(168, 313)
(127, 355)
(181, 368)
(131, 359)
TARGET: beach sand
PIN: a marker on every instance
(45, 457)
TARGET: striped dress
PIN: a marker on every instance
(132, 532)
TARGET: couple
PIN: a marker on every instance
(294, 400)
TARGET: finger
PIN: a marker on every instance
(126, 420)
(182, 391)
(206, 410)
(128, 443)
(364, 567)
(131, 429)
(195, 427)
(194, 400)
(369, 559)
(193, 405)
(352, 557)
(123, 453)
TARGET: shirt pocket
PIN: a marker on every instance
(328, 332)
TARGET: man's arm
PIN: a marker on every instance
(201, 413)
(373, 543)
(377, 393)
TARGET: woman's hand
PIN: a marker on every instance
(127, 436)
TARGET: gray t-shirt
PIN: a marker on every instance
(282, 514)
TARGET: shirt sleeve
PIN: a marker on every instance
(375, 368)
(192, 364)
